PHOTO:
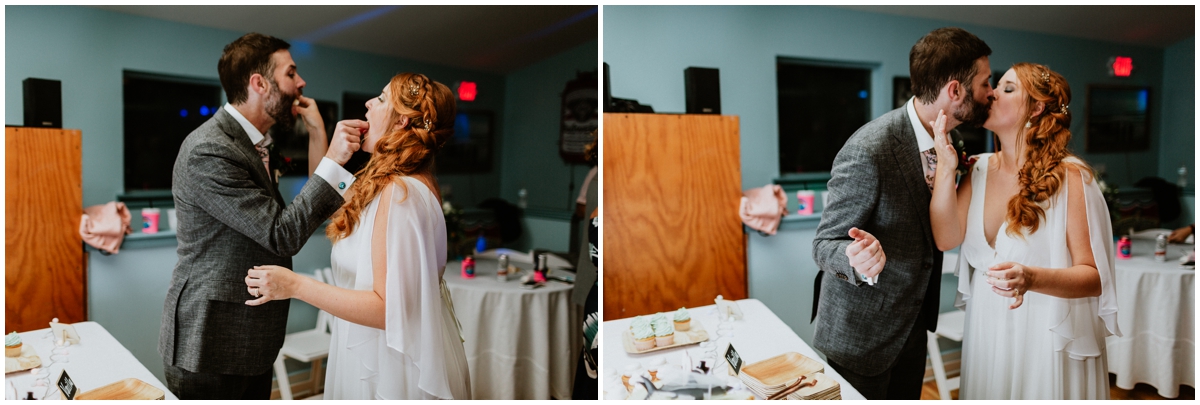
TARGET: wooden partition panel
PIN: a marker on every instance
(672, 236)
(44, 275)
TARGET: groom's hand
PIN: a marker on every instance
(865, 253)
(269, 283)
(347, 139)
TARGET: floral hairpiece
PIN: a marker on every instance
(1062, 108)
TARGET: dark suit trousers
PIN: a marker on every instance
(188, 385)
(903, 379)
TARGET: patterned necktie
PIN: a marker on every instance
(930, 158)
(263, 153)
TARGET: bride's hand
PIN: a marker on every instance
(1011, 280)
(946, 155)
(269, 283)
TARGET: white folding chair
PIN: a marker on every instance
(950, 326)
(310, 346)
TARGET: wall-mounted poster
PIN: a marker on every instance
(579, 117)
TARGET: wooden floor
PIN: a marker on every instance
(1140, 391)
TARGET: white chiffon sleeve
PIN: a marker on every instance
(1103, 251)
(416, 254)
(1078, 332)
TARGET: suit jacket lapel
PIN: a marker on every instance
(908, 159)
(239, 137)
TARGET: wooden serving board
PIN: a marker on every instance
(696, 335)
(29, 359)
(127, 389)
(782, 369)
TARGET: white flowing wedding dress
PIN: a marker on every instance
(1049, 347)
(420, 354)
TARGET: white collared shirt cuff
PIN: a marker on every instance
(334, 174)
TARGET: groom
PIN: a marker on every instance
(875, 239)
(232, 218)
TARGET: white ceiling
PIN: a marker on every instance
(1156, 26)
(495, 39)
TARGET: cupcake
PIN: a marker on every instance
(12, 345)
(664, 332)
(643, 334)
(683, 320)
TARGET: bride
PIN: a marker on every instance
(1036, 264)
(395, 335)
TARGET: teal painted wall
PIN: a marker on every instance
(648, 47)
(530, 159)
(1179, 113)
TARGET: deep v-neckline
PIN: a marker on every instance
(983, 211)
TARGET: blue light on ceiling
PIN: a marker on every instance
(344, 24)
(183, 112)
(204, 110)
(862, 94)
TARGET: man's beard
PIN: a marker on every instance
(972, 113)
(279, 106)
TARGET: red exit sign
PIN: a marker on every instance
(467, 91)
(1120, 66)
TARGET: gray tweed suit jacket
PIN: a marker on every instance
(877, 185)
(231, 218)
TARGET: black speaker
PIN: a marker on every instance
(43, 103)
(703, 88)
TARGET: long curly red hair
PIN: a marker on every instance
(401, 151)
(1046, 140)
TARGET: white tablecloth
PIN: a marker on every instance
(758, 336)
(520, 343)
(1156, 312)
(97, 360)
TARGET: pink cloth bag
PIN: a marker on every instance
(105, 226)
(762, 208)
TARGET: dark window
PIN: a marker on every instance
(160, 111)
(820, 106)
(470, 149)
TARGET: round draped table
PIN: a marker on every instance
(760, 335)
(98, 360)
(520, 343)
(1156, 311)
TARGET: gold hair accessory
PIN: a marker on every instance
(413, 90)
(1046, 77)
(1063, 109)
